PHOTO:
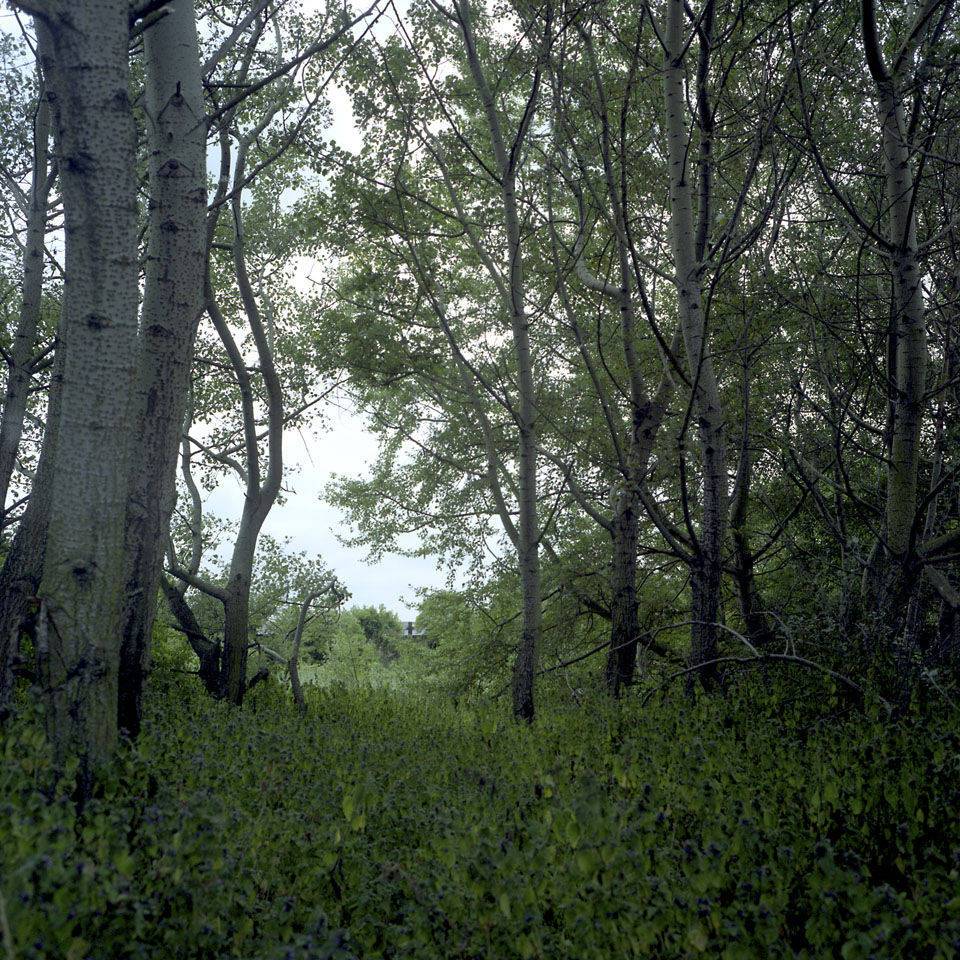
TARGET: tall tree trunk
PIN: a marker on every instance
(81, 586)
(911, 352)
(896, 577)
(755, 621)
(260, 497)
(173, 301)
(528, 527)
(24, 340)
(236, 629)
(707, 566)
(625, 632)
(525, 664)
(647, 415)
(705, 580)
(510, 284)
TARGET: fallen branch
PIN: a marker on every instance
(761, 658)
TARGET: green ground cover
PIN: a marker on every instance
(390, 824)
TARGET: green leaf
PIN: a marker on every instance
(697, 937)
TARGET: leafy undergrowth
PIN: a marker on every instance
(390, 825)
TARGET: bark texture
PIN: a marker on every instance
(23, 566)
(894, 581)
(624, 618)
(236, 615)
(81, 586)
(528, 528)
(173, 301)
(262, 486)
(625, 630)
(706, 568)
(207, 651)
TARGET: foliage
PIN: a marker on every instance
(281, 579)
(366, 648)
(722, 827)
(381, 628)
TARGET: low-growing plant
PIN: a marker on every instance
(385, 824)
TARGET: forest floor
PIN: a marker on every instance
(384, 824)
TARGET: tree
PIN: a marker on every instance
(86, 67)
(172, 303)
(327, 596)
(252, 134)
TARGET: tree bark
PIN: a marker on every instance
(261, 490)
(707, 565)
(173, 302)
(260, 496)
(528, 528)
(236, 618)
(625, 631)
(624, 616)
(893, 579)
(81, 586)
(646, 414)
(207, 651)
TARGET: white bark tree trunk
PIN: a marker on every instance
(528, 526)
(707, 566)
(81, 586)
(910, 331)
(173, 302)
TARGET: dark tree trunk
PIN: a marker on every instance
(207, 651)
(236, 641)
(23, 567)
(705, 614)
(624, 618)
(755, 620)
